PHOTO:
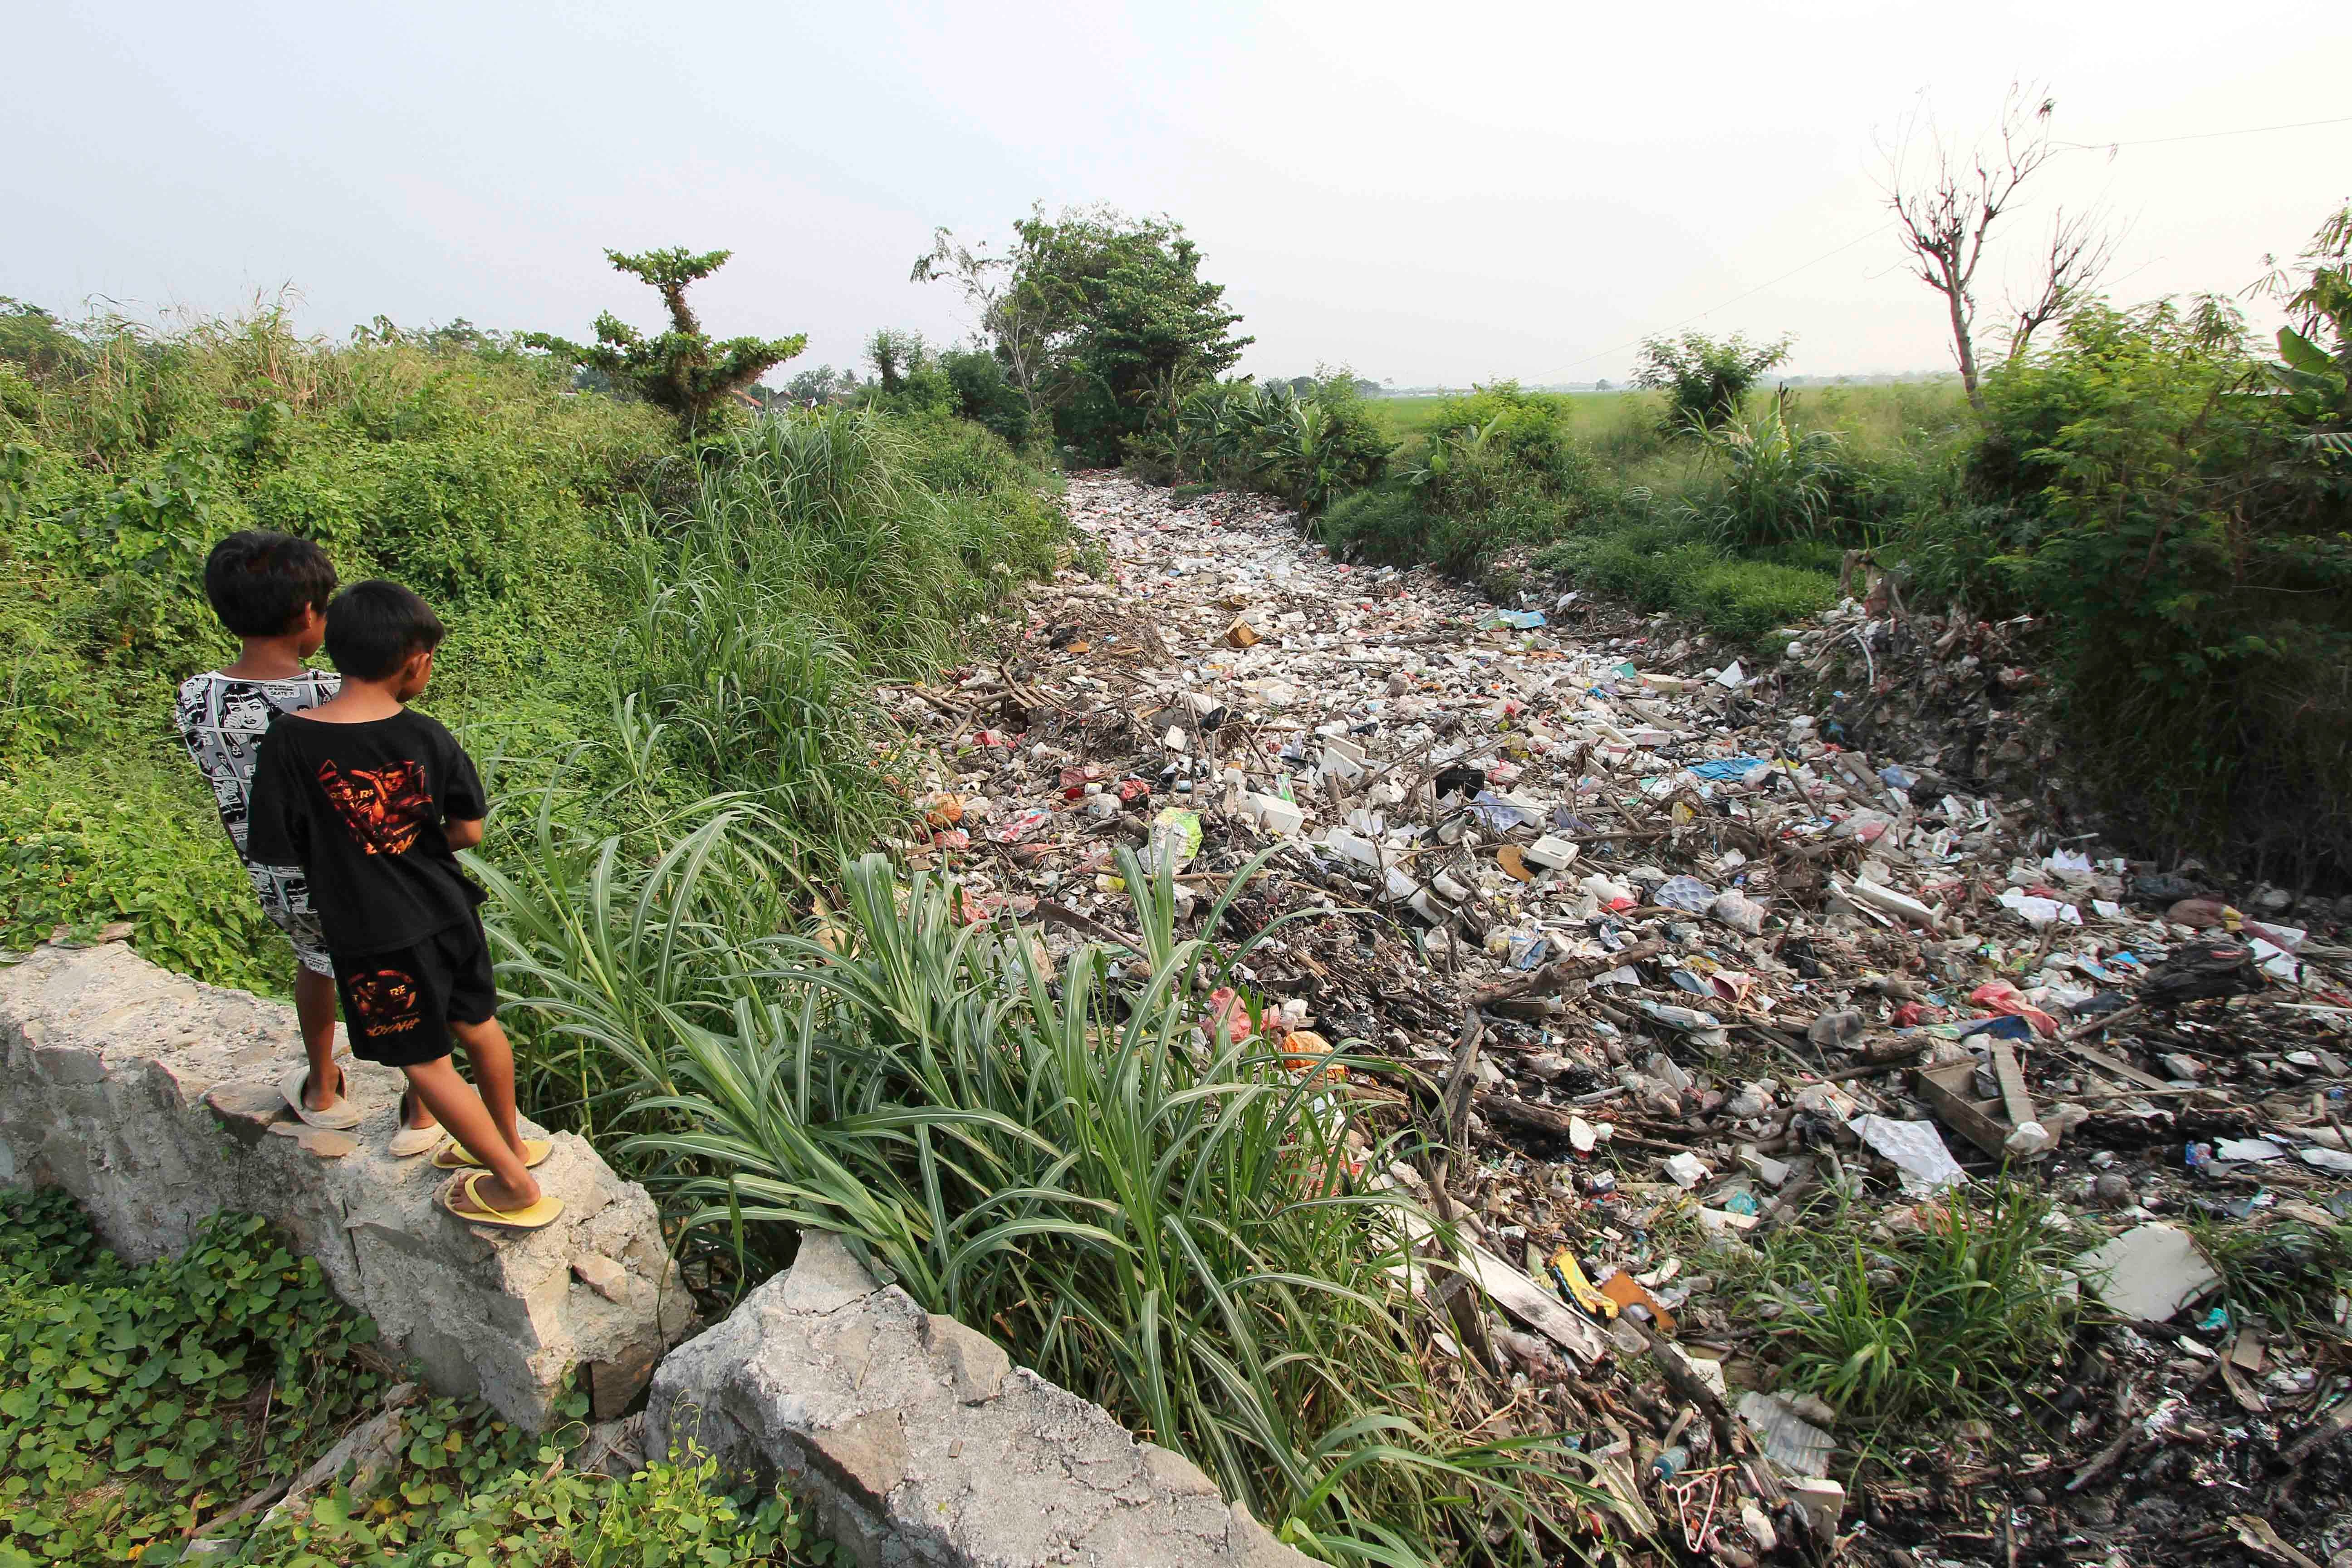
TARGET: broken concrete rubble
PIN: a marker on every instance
(151, 1097)
(919, 1442)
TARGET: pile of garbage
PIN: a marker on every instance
(1668, 966)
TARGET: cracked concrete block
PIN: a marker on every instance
(866, 1454)
(977, 1364)
(824, 1277)
(602, 1275)
(853, 1393)
(174, 1123)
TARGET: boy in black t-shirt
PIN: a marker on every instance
(372, 801)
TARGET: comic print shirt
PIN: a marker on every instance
(221, 720)
(360, 808)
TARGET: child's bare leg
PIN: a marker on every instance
(492, 1060)
(452, 1099)
(314, 1010)
(414, 1111)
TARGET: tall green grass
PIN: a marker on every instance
(1163, 1224)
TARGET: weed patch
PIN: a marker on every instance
(1677, 566)
(1954, 1317)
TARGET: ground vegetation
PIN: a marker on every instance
(141, 1408)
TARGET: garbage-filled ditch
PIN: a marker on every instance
(1852, 1162)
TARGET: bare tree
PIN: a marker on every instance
(1946, 198)
(2080, 245)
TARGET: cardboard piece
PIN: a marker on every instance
(2147, 1273)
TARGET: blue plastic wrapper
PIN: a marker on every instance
(1722, 769)
(2005, 1027)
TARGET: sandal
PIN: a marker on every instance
(538, 1217)
(457, 1157)
(407, 1141)
(340, 1116)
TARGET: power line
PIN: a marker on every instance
(2199, 135)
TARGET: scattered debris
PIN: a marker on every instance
(1668, 953)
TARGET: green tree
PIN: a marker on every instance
(1102, 321)
(1705, 378)
(32, 337)
(2313, 374)
(683, 370)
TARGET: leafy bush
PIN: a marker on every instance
(1705, 379)
(2194, 552)
(967, 382)
(984, 396)
(1303, 447)
(139, 1405)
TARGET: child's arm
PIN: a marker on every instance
(274, 831)
(463, 805)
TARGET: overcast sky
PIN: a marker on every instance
(1430, 195)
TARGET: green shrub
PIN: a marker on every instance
(985, 397)
(1705, 379)
(1306, 447)
(2193, 550)
(139, 1404)
(128, 1396)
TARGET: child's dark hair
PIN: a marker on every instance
(374, 627)
(260, 581)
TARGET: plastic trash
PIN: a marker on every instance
(1175, 839)
(1687, 893)
(1686, 1171)
(1926, 1167)
(1739, 911)
(1610, 894)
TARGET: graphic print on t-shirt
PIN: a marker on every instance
(383, 809)
(386, 1000)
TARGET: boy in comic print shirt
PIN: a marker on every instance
(270, 590)
(372, 800)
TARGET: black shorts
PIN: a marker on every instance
(398, 1006)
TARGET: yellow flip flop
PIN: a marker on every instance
(538, 1217)
(457, 1157)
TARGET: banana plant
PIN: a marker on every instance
(2317, 388)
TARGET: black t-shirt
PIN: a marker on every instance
(360, 808)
